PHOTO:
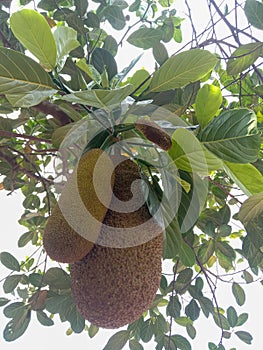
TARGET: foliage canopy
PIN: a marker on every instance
(61, 91)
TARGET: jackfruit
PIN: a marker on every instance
(153, 132)
(75, 221)
(118, 279)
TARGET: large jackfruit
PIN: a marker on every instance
(75, 222)
(118, 279)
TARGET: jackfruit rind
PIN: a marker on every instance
(128, 222)
(61, 242)
(153, 132)
(76, 220)
(113, 287)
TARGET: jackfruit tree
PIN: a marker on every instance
(133, 129)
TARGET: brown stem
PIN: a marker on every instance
(172, 296)
(214, 295)
(17, 167)
(54, 110)
(223, 189)
(9, 134)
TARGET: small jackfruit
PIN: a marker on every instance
(75, 221)
(118, 279)
(153, 132)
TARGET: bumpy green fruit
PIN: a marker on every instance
(75, 222)
(114, 286)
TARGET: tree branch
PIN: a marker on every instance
(52, 109)
(9, 134)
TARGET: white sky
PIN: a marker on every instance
(43, 338)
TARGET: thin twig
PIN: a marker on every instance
(172, 296)
(9, 134)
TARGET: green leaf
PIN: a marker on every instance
(167, 30)
(181, 342)
(225, 249)
(25, 238)
(254, 13)
(182, 69)
(27, 87)
(166, 3)
(115, 16)
(232, 316)
(77, 322)
(247, 277)
(100, 98)
(252, 252)
(117, 341)
(183, 321)
(135, 6)
(206, 306)
(244, 336)
(160, 53)
(190, 155)
(195, 292)
(146, 331)
(226, 335)
(161, 326)
(111, 45)
(56, 303)
(238, 293)
(93, 330)
(212, 346)
(221, 321)
(32, 202)
(36, 279)
(173, 243)
(192, 310)
(206, 250)
(15, 309)
(251, 208)
(191, 331)
(9, 261)
(103, 59)
(242, 318)
(183, 280)
(44, 319)
(208, 101)
(90, 70)
(66, 41)
(243, 57)
(4, 301)
(75, 22)
(233, 136)
(137, 79)
(17, 326)
(174, 307)
(81, 7)
(92, 21)
(145, 37)
(242, 174)
(33, 31)
(11, 283)
(57, 278)
(135, 345)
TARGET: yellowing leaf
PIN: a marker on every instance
(251, 208)
(208, 100)
(190, 155)
(33, 31)
(246, 176)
